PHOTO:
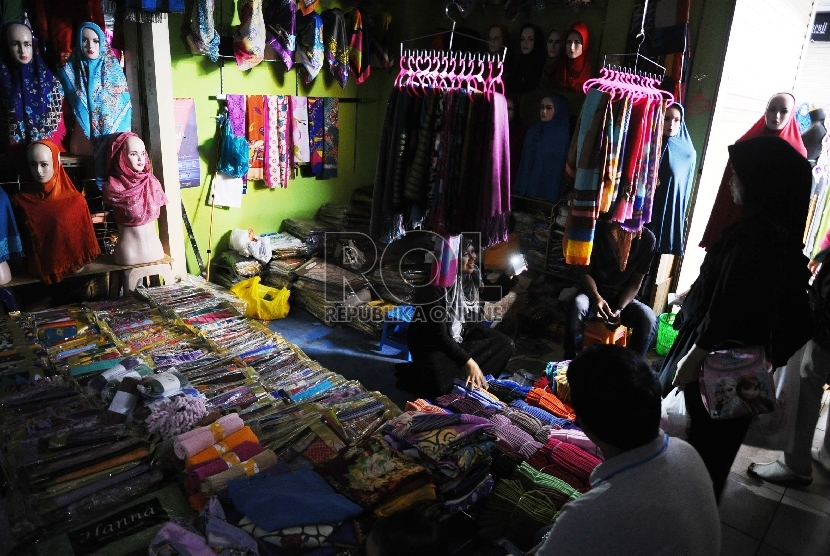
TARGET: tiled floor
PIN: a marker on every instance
(764, 519)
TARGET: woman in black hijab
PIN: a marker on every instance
(752, 288)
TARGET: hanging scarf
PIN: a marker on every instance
(331, 137)
(315, 134)
(151, 11)
(203, 37)
(310, 44)
(337, 45)
(307, 6)
(272, 143)
(359, 42)
(53, 22)
(544, 154)
(380, 43)
(135, 197)
(571, 75)
(30, 95)
(725, 211)
(280, 29)
(299, 112)
(527, 68)
(249, 35)
(97, 91)
(58, 224)
(676, 175)
(10, 244)
(255, 113)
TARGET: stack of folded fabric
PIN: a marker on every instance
(558, 491)
(528, 423)
(278, 272)
(556, 373)
(515, 513)
(423, 406)
(334, 215)
(578, 439)
(230, 268)
(360, 210)
(287, 246)
(543, 415)
(550, 402)
(311, 232)
(507, 389)
(566, 461)
(520, 441)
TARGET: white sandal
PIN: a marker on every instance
(778, 472)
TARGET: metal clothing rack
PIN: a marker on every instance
(614, 61)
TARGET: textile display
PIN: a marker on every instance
(543, 156)
(203, 37)
(252, 466)
(359, 41)
(315, 134)
(280, 29)
(276, 146)
(336, 44)
(249, 35)
(255, 133)
(10, 243)
(571, 74)
(187, 142)
(310, 49)
(54, 22)
(725, 211)
(331, 137)
(300, 130)
(135, 197)
(676, 177)
(227, 444)
(30, 96)
(243, 452)
(57, 210)
(519, 511)
(97, 92)
(202, 438)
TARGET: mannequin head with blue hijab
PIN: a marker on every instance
(545, 151)
(676, 177)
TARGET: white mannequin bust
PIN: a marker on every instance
(138, 244)
(20, 42)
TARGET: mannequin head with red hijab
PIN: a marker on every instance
(574, 68)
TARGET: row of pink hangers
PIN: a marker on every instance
(434, 69)
(620, 82)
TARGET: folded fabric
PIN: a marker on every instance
(175, 539)
(578, 439)
(202, 438)
(543, 415)
(550, 402)
(293, 499)
(227, 445)
(243, 452)
(134, 455)
(481, 491)
(263, 460)
(520, 441)
(423, 406)
(104, 482)
(424, 493)
(558, 491)
(574, 459)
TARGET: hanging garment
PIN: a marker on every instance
(135, 197)
(445, 261)
(676, 176)
(307, 6)
(10, 244)
(544, 155)
(12, 11)
(255, 116)
(58, 224)
(280, 29)
(310, 44)
(203, 37)
(315, 134)
(54, 22)
(249, 35)
(299, 113)
(336, 44)
(97, 91)
(381, 44)
(331, 137)
(151, 11)
(273, 178)
(725, 211)
(359, 42)
(571, 74)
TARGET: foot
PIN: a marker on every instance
(778, 472)
(821, 456)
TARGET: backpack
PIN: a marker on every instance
(819, 293)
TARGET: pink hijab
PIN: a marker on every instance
(136, 198)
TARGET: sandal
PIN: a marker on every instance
(821, 456)
(779, 473)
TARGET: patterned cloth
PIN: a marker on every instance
(10, 244)
(255, 132)
(301, 143)
(30, 94)
(358, 46)
(203, 37)
(307, 6)
(249, 35)
(310, 48)
(331, 137)
(97, 91)
(135, 197)
(520, 441)
(280, 29)
(543, 415)
(273, 178)
(315, 133)
(337, 44)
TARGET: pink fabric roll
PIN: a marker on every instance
(202, 438)
(578, 439)
(243, 452)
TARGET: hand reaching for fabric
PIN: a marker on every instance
(474, 375)
(688, 367)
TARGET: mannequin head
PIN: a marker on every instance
(554, 44)
(511, 108)
(497, 38)
(527, 40)
(136, 154)
(573, 45)
(672, 121)
(20, 40)
(779, 111)
(546, 109)
(41, 163)
(90, 43)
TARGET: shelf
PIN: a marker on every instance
(101, 265)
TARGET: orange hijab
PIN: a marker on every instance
(725, 211)
(58, 223)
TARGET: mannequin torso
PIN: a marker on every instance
(138, 245)
(5, 273)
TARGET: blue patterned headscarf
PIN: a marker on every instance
(310, 44)
(97, 91)
(30, 94)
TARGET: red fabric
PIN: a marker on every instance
(59, 224)
(725, 211)
(571, 75)
(59, 23)
(135, 197)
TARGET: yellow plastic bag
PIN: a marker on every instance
(261, 301)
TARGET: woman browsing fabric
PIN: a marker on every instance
(446, 338)
(751, 288)
(777, 121)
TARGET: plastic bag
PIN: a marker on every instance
(776, 430)
(261, 301)
(247, 244)
(233, 152)
(674, 420)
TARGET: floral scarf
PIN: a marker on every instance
(280, 28)
(277, 147)
(135, 197)
(203, 37)
(315, 134)
(337, 45)
(358, 46)
(255, 112)
(299, 112)
(249, 36)
(331, 137)
(310, 44)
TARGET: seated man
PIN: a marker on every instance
(608, 293)
(652, 494)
